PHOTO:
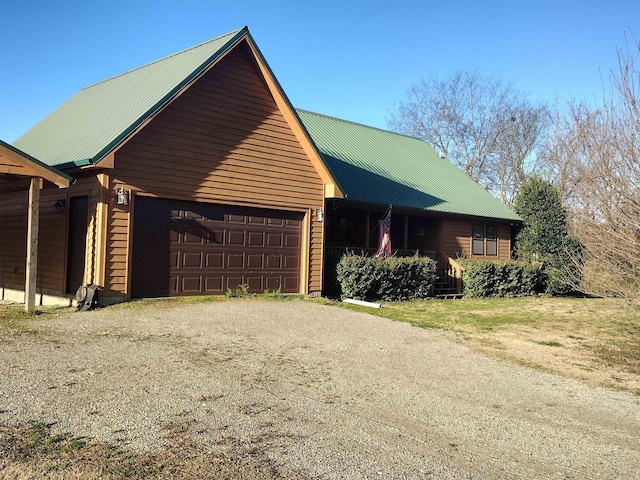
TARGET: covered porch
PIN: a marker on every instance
(21, 173)
(351, 227)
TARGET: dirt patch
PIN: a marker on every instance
(573, 355)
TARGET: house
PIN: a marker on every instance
(194, 174)
(438, 211)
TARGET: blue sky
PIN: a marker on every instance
(350, 59)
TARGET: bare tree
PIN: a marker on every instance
(594, 158)
(483, 125)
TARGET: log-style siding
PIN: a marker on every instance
(456, 237)
(13, 239)
(222, 141)
(52, 241)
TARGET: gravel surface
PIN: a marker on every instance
(322, 391)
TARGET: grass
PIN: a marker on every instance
(14, 317)
(608, 316)
(549, 343)
(33, 451)
(171, 302)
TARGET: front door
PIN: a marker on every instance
(77, 242)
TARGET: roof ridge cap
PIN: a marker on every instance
(233, 32)
(361, 124)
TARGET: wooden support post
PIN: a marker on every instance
(102, 210)
(368, 228)
(405, 233)
(32, 244)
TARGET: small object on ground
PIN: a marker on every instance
(362, 303)
(86, 297)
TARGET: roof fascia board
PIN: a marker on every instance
(139, 124)
(34, 167)
(397, 208)
(332, 188)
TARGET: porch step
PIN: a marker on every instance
(443, 289)
(451, 296)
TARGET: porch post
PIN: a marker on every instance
(368, 228)
(405, 233)
(33, 220)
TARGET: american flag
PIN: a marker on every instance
(384, 236)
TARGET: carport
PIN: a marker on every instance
(18, 171)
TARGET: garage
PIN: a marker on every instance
(191, 248)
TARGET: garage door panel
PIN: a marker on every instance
(191, 284)
(235, 260)
(255, 283)
(234, 282)
(214, 236)
(213, 284)
(290, 282)
(272, 283)
(291, 262)
(274, 240)
(192, 259)
(255, 261)
(274, 262)
(292, 241)
(255, 239)
(293, 223)
(188, 248)
(236, 237)
(195, 236)
(254, 220)
(214, 260)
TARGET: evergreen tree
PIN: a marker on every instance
(545, 236)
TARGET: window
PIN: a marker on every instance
(492, 240)
(478, 240)
(485, 240)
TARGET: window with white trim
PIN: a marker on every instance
(484, 240)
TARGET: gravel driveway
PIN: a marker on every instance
(322, 391)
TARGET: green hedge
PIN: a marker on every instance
(389, 279)
(483, 278)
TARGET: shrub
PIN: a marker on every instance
(545, 236)
(389, 279)
(478, 278)
(483, 278)
(358, 276)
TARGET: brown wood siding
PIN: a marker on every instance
(315, 256)
(117, 247)
(13, 240)
(222, 141)
(456, 237)
(504, 241)
(52, 242)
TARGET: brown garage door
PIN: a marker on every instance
(189, 248)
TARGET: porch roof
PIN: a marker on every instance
(15, 162)
(381, 167)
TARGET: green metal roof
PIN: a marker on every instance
(377, 166)
(91, 123)
(51, 169)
